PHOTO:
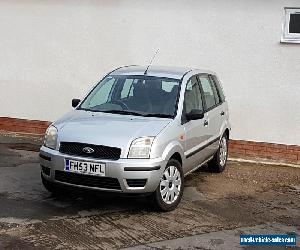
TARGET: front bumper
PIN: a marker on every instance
(123, 170)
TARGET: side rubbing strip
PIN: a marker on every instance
(203, 147)
(141, 168)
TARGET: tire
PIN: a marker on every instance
(169, 192)
(51, 187)
(218, 163)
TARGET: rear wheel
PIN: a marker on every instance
(170, 189)
(218, 163)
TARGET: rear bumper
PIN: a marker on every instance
(130, 173)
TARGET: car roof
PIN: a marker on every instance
(158, 71)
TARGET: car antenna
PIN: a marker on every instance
(152, 59)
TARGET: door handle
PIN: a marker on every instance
(205, 123)
(222, 113)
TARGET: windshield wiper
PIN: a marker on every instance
(159, 115)
(126, 112)
(122, 112)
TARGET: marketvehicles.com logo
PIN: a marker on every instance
(268, 240)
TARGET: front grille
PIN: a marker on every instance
(87, 180)
(100, 151)
(136, 182)
(45, 170)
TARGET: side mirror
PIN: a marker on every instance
(75, 102)
(195, 114)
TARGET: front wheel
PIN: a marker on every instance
(218, 163)
(170, 189)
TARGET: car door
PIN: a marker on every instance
(221, 101)
(196, 132)
(213, 112)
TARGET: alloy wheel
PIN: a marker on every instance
(170, 185)
(223, 151)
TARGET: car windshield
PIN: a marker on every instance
(134, 95)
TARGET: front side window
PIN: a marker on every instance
(135, 95)
(192, 96)
(208, 91)
(291, 26)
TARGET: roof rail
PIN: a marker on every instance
(122, 67)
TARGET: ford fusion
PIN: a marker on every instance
(139, 130)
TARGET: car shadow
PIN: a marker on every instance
(204, 169)
(100, 201)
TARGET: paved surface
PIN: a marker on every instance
(226, 239)
(215, 209)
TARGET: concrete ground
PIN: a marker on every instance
(215, 210)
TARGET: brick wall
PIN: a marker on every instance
(237, 148)
(263, 150)
(23, 126)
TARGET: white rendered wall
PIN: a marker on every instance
(52, 51)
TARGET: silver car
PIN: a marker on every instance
(140, 130)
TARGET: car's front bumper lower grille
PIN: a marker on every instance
(136, 182)
(87, 180)
(45, 170)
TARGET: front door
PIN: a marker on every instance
(196, 131)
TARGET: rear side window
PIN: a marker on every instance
(216, 94)
(127, 88)
(208, 91)
(169, 86)
(219, 88)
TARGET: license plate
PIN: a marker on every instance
(85, 167)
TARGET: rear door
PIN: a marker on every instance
(214, 113)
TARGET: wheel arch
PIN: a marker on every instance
(177, 157)
(226, 132)
(174, 150)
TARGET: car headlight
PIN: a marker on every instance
(140, 148)
(51, 137)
